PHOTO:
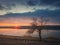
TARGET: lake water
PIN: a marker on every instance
(22, 32)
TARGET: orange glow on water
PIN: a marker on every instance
(14, 32)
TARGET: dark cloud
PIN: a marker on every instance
(6, 4)
(55, 3)
(49, 1)
(1, 7)
(13, 1)
(10, 3)
(33, 2)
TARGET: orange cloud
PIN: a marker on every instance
(15, 22)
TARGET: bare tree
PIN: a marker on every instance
(42, 22)
(34, 25)
(38, 22)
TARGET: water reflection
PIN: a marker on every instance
(22, 32)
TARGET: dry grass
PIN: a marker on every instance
(6, 40)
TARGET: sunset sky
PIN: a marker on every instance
(21, 12)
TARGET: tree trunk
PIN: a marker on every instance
(40, 35)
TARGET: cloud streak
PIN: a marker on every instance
(23, 6)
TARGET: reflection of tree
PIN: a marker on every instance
(38, 22)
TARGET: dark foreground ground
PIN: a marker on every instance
(18, 41)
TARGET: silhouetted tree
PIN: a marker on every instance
(42, 21)
(34, 25)
(38, 22)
